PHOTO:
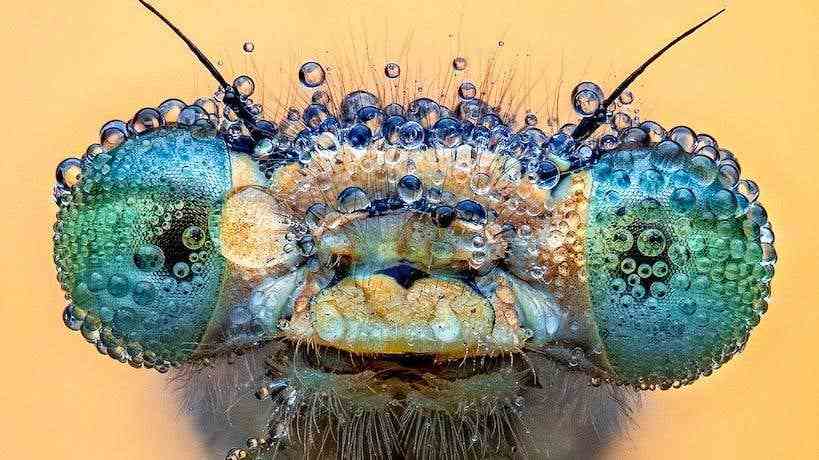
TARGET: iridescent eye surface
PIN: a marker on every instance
(133, 246)
(410, 278)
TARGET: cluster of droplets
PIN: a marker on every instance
(362, 121)
(95, 332)
(666, 200)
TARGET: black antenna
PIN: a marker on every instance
(589, 124)
(230, 99)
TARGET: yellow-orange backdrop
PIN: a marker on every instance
(750, 79)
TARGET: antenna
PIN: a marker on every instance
(589, 124)
(230, 98)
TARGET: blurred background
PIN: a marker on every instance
(750, 79)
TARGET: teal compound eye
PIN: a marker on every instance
(680, 258)
(134, 239)
(133, 249)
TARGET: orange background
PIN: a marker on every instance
(750, 79)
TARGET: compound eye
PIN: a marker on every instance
(134, 250)
(680, 260)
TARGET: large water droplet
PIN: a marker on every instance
(352, 199)
(68, 172)
(149, 257)
(244, 85)
(587, 97)
(459, 63)
(311, 74)
(410, 189)
(467, 90)
(651, 242)
(392, 70)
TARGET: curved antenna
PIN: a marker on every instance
(230, 99)
(589, 124)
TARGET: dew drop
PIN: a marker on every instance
(392, 70)
(587, 97)
(467, 90)
(410, 189)
(352, 199)
(193, 237)
(651, 242)
(68, 172)
(459, 63)
(248, 47)
(311, 74)
(244, 85)
(149, 257)
(181, 269)
(531, 119)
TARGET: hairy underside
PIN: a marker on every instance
(338, 405)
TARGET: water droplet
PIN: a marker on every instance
(315, 214)
(622, 240)
(651, 242)
(683, 136)
(244, 85)
(682, 200)
(480, 183)
(410, 189)
(548, 174)
(411, 135)
(627, 266)
(459, 63)
(352, 199)
(248, 47)
(146, 120)
(193, 237)
(149, 257)
(467, 90)
(118, 285)
(68, 172)
(471, 211)
(443, 216)
(587, 97)
(181, 269)
(531, 119)
(311, 74)
(359, 136)
(392, 70)
(143, 293)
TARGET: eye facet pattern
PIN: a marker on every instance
(133, 247)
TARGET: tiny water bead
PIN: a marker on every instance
(244, 85)
(352, 199)
(587, 97)
(193, 237)
(459, 63)
(149, 257)
(467, 90)
(410, 189)
(392, 70)
(311, 74)
(68, 172)
(248, 47)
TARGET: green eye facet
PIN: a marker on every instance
(679, 262)
(132, 244)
